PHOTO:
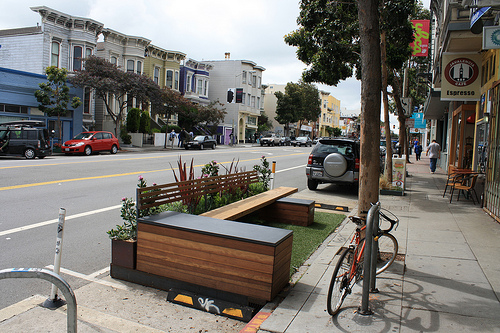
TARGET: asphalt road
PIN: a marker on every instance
(90, 188)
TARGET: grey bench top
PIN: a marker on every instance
(246, 232)
(296, 201)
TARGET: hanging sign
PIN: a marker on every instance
(420, 44)
(460, 79)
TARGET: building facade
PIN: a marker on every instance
(61, 40)
(195, 81)
(464, 118)
(246, 77)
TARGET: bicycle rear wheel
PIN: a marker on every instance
(387, 251)
(341, 283)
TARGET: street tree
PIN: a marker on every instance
(264, 124)
(110, 83)
(53, 96)
(329, 40)
(299, 103)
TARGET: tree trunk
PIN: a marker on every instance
(401, 114)
(370, 103)
(387, 124)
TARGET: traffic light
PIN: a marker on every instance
(230, 95)
(239, 95)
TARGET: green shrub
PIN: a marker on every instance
(144, 122)
(126, 138)
(133, 120)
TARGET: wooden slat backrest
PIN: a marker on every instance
(153, 196)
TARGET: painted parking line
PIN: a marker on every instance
(91, 277)
(53, 221)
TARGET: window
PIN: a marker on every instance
(254, 81)
(253, 101)
(249, 99)
(258, 103)
(205, 90)
(139, 67)
(86, 101)
(188, 83)
(54, 59)
(176, 80)
(170, 79)
(244, 77)
(130, 66)
(199, 88)
(243, 99)
(88, 52)
(156, 77)
(113, 60)
(77, 58)
(259, 81)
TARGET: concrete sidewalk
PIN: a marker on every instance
(449, 280)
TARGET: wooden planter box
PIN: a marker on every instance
(124, 253)
(240, 258)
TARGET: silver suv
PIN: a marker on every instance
(333, 160)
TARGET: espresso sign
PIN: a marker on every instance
(460, 79)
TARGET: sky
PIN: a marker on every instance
(204, 30)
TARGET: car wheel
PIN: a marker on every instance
(335, 165)
(213, 145)
(29, 153)
(312, 184)
(261, 144)
(114, 149)
(87, 151)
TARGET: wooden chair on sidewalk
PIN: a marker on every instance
(453, 178)
(467, 187)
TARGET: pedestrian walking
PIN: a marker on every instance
(434, 152)
(418, 151)
(182, 137)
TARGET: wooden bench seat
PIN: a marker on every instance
(244, 207)
(290, 211)
(240, 258)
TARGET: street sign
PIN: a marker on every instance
(410, 122)
(406, 102)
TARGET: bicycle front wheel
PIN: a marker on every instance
(387, 251)
(341, 283)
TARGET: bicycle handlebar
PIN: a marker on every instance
(394, 222)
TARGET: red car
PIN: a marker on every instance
(89, 142)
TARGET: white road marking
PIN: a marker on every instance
(71, 217)
(295, 167)
(91, 278)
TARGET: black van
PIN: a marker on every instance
(27, 138)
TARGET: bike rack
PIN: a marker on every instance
(40, 273)
(370, 260)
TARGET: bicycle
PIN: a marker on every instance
(349, 268)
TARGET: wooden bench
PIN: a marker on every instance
(249, 205)
(240, 258)
(290, 211)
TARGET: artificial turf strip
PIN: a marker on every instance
(307, 239)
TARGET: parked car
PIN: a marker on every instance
(26, 138)
(201, 142)
(90, 142)
(333, 160)
(270, 140)
(285, 141)
(302, 141)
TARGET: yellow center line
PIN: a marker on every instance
(124, 174)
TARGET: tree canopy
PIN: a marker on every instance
(299, 102)
(53, 96)
(109, 82)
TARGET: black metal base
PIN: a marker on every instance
(53, 303)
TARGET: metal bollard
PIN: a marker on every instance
(53, 301)
(39, 273)
(367, 264)
(273, 174)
